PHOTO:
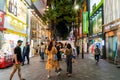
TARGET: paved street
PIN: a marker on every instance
(83, 69)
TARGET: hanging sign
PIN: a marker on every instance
(1, 19)
(85, 22)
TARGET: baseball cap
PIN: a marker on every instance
(19, 41)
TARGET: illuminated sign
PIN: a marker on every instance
(85, 22)
(112, 26)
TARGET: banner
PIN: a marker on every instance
(80, 30)
(85, 22)
(1, 19)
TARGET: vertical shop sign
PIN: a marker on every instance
(85, 22)
(1, 19)
(80, 30)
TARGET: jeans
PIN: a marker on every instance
(69, 64)
(42, 55)
(97, 57)
(27, 56)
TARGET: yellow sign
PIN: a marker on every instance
(17, 33)
(17, 25)
(20, 13)
(34, 0)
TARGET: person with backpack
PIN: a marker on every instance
(97, 54)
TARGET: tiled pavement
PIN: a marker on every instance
(83, 69)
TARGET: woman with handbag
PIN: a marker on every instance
(69, 59)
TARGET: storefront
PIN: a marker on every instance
(112, 34)
(95, 28)
(96, 40)
(15, 29)
(111, 29)
(3, 57)
(15, 21)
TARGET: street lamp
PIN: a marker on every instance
(76, 7)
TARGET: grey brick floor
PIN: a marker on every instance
(83, 69)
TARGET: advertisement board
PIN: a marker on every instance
(18, 9)
(97, 23)
(16, 16)
(21, 11)
(85, 22)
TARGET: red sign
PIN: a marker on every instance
(1, 19)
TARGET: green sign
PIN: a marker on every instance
(97, 23)
(85, 22)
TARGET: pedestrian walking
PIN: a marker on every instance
(69, 59)
(17, 61)
(37, 49)
(78, 50)
(26, 51)
(97, 54)
(51, 51)
(42, 51)
(58, 58)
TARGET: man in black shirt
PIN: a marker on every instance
(17, 60)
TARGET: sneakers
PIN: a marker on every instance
(48, 76)
(69, 75)
(23, 79)
(58, 73)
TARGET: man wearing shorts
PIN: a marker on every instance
(17, 60)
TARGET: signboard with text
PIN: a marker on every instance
(85, 22)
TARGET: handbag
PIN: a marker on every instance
(72, 58)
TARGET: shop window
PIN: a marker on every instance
(13, 7)
(2, 5)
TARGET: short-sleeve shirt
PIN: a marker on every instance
(17, 51)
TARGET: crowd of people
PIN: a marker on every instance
(54, 51)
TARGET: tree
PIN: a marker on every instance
(60, 15)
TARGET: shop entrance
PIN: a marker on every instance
(112, 47)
